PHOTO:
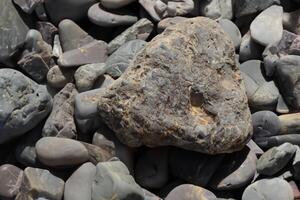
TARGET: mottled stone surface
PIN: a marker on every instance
(86, 75)
(61, 123)
(58, 77)
(10, 181)
(183, 89)
(23, 104)
(40, 183)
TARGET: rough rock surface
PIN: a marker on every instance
(23, 104)
(61, 123)
(183, 89)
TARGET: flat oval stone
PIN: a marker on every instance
(262, 94)
(267, 27)
(275, 159)
(269, 189)
(94, 52)
(10, 181)
(79, 185)
(265, 124)
(208, 112)
(56, 152)
(101, 17)
(236, 171)
(72, 36)
(23, 104)
(190, 192)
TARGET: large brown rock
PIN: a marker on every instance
(183, 89)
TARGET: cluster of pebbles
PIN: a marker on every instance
(149, 99)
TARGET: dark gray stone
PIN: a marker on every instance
(99, 16)
(72, 36)
(288, 45)
(94, 52)
(118, 62)
(140, 30)
(247, 7)
(10, 181)
(287, 78)
(61, 122)
(34, 65)
(273, 141)
(114, 4)
(23, 104)
(267, 27)
(193, 167)
(265, 124)
(67, 9)
(13, 30)
(236, 171)
(40, 183)
(207, 93)
(262, 94)
(112, 180)
(61, 152)
(291, 21)
(79, 185)
(151, 169)
(269, 189)
(249, 49)
(232, 30)
(275, 159)
(48, 30)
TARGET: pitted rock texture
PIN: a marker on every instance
(183, 89)
(23, 104)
